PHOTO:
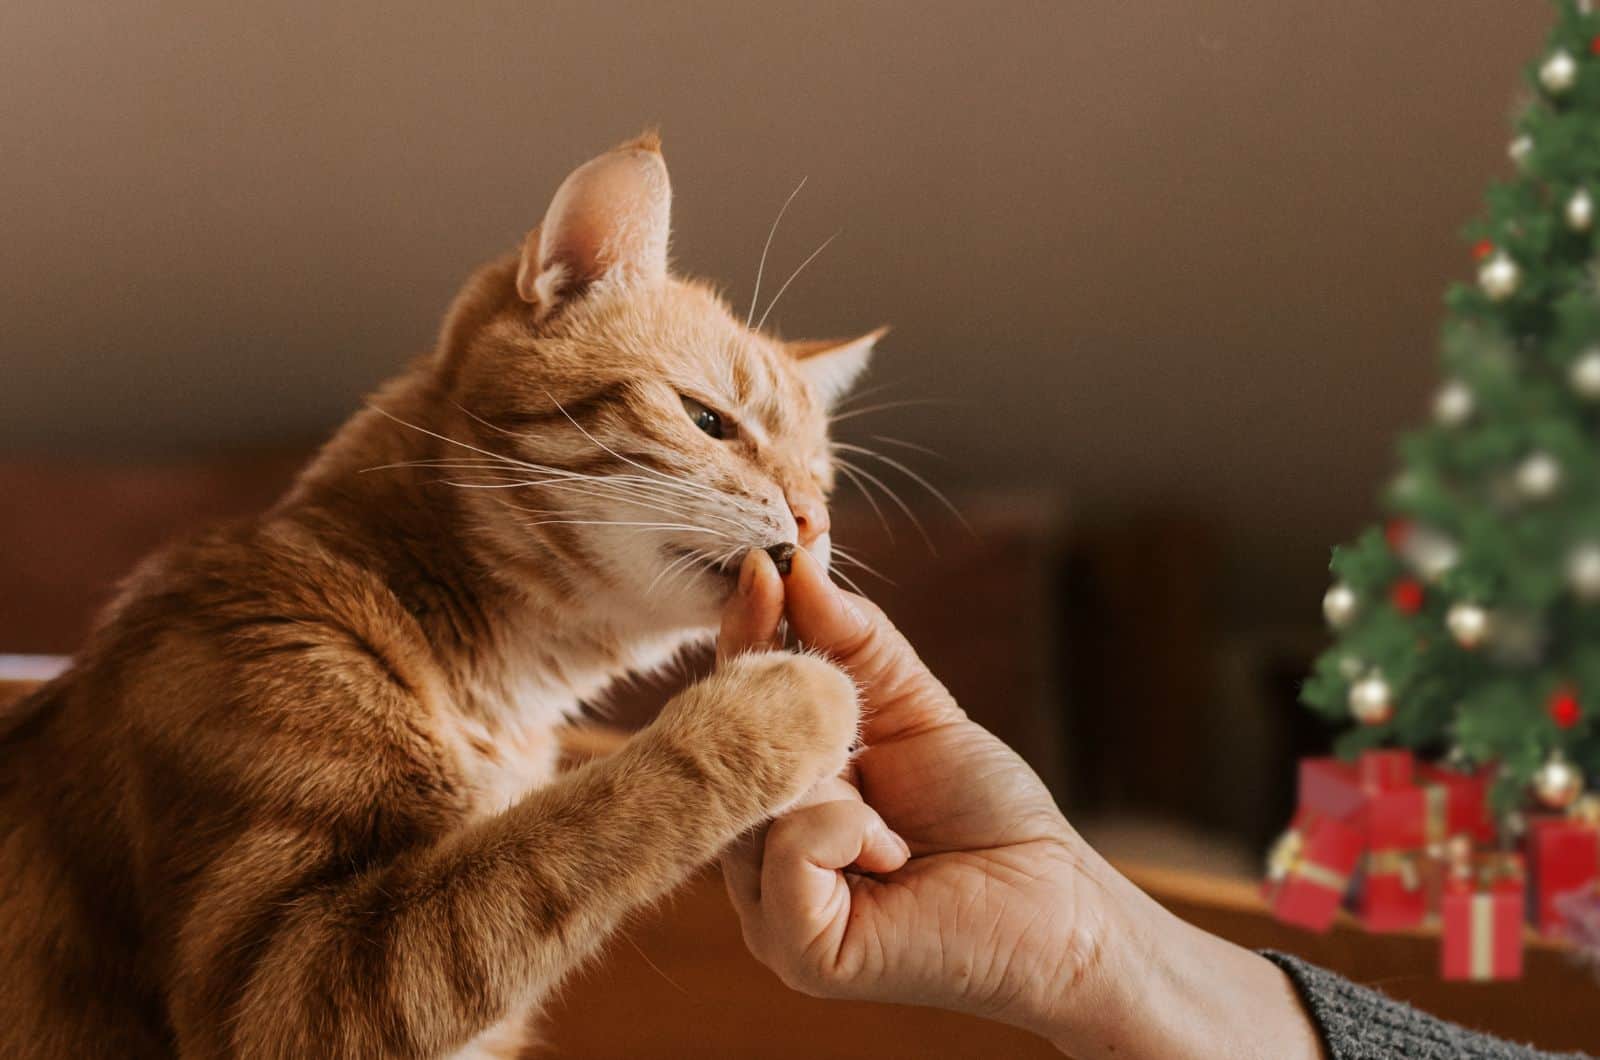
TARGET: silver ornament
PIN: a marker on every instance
(1520, 637)
(1453, 404)
(1580, 210)
(1538, 476)
(1371, 701)
(1499, 276)
(1558, 783)
(1520, 148)
(1584, 375)
(1583, 571)
(1339, 605)
(1559, 72)
(1468, 624)
(1430, 552)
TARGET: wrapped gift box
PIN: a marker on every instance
(1481, 921)
(1392, 893)
(1457, 803)
(1395, 804)
(1373, 795)
(1563, 856)
(1309, 870)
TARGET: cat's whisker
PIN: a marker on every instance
(792, 277)
(913, 476)
(846, 556)
(849, 582)
(755, 295)
(685, 561)
(886, 406)
(597, 487)
(861, 487)
(629, 523)
(914, 446)
(861, 395)
(889, 492)
(705, 492)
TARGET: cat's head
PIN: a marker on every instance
(644, 437)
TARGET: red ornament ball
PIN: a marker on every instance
(1482, 249)
(1594, 46)
(1397, 531)
(1564, 709)
(1406, 595)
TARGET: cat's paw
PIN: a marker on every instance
(799, 714)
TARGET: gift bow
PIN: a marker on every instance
(1288, 858)
(1395, 863)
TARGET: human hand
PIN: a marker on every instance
(945, 875)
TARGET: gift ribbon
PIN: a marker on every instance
(1481, 963)
(1288, 859)
(1499, 868)
(1395, 863)
(1436, 813)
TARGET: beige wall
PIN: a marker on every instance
(1159, 250)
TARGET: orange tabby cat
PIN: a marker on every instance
(297, 798)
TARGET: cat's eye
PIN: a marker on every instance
(707, 420)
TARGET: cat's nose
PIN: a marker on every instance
(810, 517)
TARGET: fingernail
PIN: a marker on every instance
(747, 573)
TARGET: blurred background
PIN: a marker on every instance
(1167, 276)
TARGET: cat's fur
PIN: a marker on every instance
(297, 796)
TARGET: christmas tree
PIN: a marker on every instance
(1468, 624)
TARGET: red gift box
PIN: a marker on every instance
(1377, 799)
(1393, 894)
(1456, 804)
(1395, 805)
(1563, 856)
(1481, 921)
(1309, 870)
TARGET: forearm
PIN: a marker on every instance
(1163, 988)
(415, 958)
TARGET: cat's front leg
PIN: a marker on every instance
(419, 957)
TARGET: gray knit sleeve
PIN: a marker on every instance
(1361, 1024)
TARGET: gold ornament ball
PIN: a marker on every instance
(1559, 73)
(1558, 783)
(1468, 624)
(1339, 605)
(1453, 404)
(1584, 375)
(1499, 277)
(1583, 571)
(1538, 476)
(1580, 210)
(1370, 700)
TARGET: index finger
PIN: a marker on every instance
(897, 689)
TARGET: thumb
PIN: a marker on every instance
(898, 691)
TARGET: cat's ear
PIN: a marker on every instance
(609, 220)
(833, 365)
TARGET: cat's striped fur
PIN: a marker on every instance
(296, 797)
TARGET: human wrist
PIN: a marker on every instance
(1161, 987)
